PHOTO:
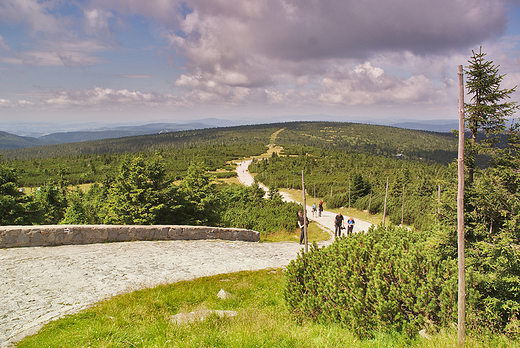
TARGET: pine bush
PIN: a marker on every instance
(384, 280)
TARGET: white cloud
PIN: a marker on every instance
(5, 103)
(110, 98)
(65, 57)
(3, 45)
(260, 45)
(56, 39)
(25, 103)
(20, 104)
(35, 14)
(96, 22)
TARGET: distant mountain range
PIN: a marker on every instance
(12, 141)
(119, 132)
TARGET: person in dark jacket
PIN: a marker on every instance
(339, 223)
(302, 224)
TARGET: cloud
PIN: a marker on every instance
(3, 45)
(67, 55)
(137, 76)
(34, 14)
(362, 85)
(275, 53)
(367, 85)
(56, 38)
(306, 29)
(96, 22)
(5, 103)
(106, 97)
(258, 44)
(20, 104)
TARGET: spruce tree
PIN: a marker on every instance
(488, 110)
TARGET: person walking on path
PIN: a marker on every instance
(339, 223)
(350, 225)
(301, 224)
(314, 210)
(320, 208)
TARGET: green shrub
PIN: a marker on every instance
(262, 217)
(337, 201)
(245, 207)
(384, 280)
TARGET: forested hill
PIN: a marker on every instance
(352, 137)
(373, 139)
(9, 141)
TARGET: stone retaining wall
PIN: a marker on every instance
(48, 235)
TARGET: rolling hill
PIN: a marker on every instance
(351, 137)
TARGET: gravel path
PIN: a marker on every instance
(326, 220)
(41, 284)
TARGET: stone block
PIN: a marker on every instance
(174, 231)
(112, 234)
(123, 237)
(20, 236)
(36, 238)
(22, 240)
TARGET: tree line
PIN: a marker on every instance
(143, 193)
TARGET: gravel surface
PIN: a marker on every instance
(40, 284)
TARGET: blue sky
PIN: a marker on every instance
(132, 61)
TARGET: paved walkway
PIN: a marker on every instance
(41, 284)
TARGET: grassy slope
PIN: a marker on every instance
(142, 319)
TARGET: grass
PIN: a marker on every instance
(82, 187)
(314, 234)
(142, 319)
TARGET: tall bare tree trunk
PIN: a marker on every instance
(460, 219)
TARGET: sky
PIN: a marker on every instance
(134, 61)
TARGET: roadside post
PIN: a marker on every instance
(461, 325)
(306, 248)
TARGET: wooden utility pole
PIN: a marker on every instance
(461, 326)
(306, 248)
(369, 201)
(349, 193)
(386, 196)
(402, 209)
(439, 199)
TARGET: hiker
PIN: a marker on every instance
(339, 224)
(320, 208)
(350, 225)
(301, 224)
(314, 210)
